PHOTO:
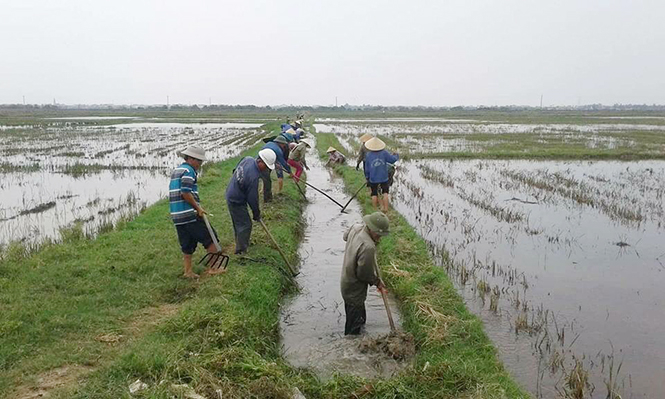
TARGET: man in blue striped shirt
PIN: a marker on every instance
(186, 210)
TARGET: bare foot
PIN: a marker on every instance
(213, 272)
(190, 275)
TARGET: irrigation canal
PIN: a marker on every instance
(312, 322)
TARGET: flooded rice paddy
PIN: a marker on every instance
(313, 321)
(564, 262)
(434, 136)
(57, 176)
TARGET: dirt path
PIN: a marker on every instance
(69, 375)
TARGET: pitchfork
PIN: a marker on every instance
(214, 260)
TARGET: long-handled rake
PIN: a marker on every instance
(325, 194)
(214, 260)
(354, 196)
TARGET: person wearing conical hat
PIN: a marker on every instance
(186, 211)
(377, 171)
(297, 158)
(359, 268)
(363, 150)
(335, 156)
(290, 135)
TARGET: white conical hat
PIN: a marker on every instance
(365, 137)
(375, 144)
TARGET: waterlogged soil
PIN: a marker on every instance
(312, 322)
(427, 135)
(564, 262)
(94, 175)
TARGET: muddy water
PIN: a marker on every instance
(313, 321)
(563, 261)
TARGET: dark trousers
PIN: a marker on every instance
(267, 185)
(355, 318)
(242, 225)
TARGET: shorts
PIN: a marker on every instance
(385, 188)
(190, 234)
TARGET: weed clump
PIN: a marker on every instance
(398, 345)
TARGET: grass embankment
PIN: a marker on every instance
(115, 309)
(455, 358)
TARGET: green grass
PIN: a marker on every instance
(57, 300)
(220, 333)
(462, 362)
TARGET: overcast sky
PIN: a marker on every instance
(309, 52)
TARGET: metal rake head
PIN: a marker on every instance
(215, 260)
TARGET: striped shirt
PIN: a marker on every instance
(183, 180)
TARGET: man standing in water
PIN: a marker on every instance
(243, 190)
(358, 271)
(186, 211)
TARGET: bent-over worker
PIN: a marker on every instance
(297, 158)
(243, 190)
(281, 147)
(358, 271)
(335, 156)
(186, 211)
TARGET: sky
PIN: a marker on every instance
(316, 52)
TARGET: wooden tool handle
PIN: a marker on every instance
(293, 272)
(383, 295)
(212, 234)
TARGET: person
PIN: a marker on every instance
(359, 268)
(335, 156)
(280, 146)
(300, 133)
(297, 158)
(186, 211)
(377, 171)
(363, 150)
(290, 135)
(243, 190)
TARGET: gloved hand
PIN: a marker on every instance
(257, 218)
(357, 167)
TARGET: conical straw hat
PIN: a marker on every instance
(375, 144)
(331, 149)
(365, 137)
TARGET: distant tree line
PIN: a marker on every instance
(325, 109)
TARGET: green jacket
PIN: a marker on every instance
(361, 155)
(358, 271)
(298, 153)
